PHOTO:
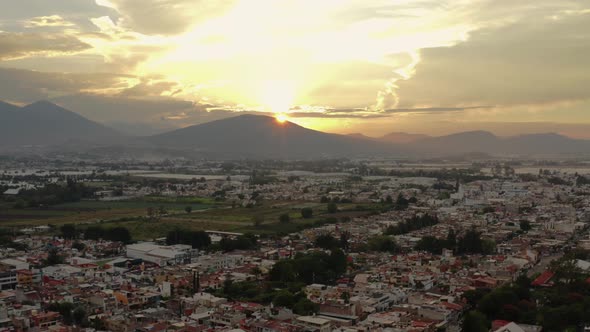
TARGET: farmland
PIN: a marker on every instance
(171, 213)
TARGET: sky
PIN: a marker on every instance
(343, 66)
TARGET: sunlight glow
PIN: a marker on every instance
(281, 117)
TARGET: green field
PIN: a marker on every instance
(206, 215)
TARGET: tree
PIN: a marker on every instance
(118, 234)
(470, 243)
(78, 246)
(284, 218)
(525, 225)
(242, 242)
(306, 213)
(257, 220)
(68, 231)
(65, 309)
(305, 307)
(401, 203)
(566, 270)
(344, 237)
(256, 271)
(53, 258)
(284, 299)
(79, 316)
(451, 239)
(389, 199)
(332, 207)
(475, 321)
(151, 212)
(162, 211)
(197, 239)
(383, 243)
(94, 233)
(326, 241)
(431, 244)
(188, 209)
(345, 296)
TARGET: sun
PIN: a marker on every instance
(281, 117)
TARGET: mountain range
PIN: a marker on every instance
(46, 125)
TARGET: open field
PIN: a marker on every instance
(206, 215)
(93, 211)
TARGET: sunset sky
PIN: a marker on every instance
(344, 66)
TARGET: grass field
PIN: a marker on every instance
(92, 211)
(206, 215)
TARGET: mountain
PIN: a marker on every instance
(486, 142)
(46, 124)
(360, 136)
(263, 137)
(49, 128)
(402, 138)
(471, 141)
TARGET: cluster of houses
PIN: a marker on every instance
(150, 286)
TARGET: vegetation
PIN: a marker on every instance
(70, 313)
(306, 213)
(326, 241)
(279, 294)
(284, 218)
(317, 267)
(53, 258)
(470, 243)
(120, 234)
(52, 194)
(383, 244)
(197, 239)
(242, 242)
(412, 224)
(563, 306)
(332, 207)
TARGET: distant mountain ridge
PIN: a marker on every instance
(402, 138)
(263, 137)
(43, 124)
(486, 142)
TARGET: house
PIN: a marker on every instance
(513, 327)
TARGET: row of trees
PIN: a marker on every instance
(317, 267)
(470, 243)
(242, 242)
(197, 239)
(52, 194)
(290, 296)
(327, 241)
(120, 234)
(412, 224)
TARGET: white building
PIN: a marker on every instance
(162, 255)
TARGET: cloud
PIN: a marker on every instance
(48, 21)
(157, 113)
(367, 113)
(27, 86)
(541, 59)
(433, 110)
(165, 17)
(21, 45)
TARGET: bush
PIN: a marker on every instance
(306, 213)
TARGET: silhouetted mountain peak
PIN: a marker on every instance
(45, 123)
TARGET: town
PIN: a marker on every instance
(327, 245)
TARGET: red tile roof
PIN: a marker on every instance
(543, 279)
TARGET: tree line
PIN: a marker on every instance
(412, 224)
(470, 243)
